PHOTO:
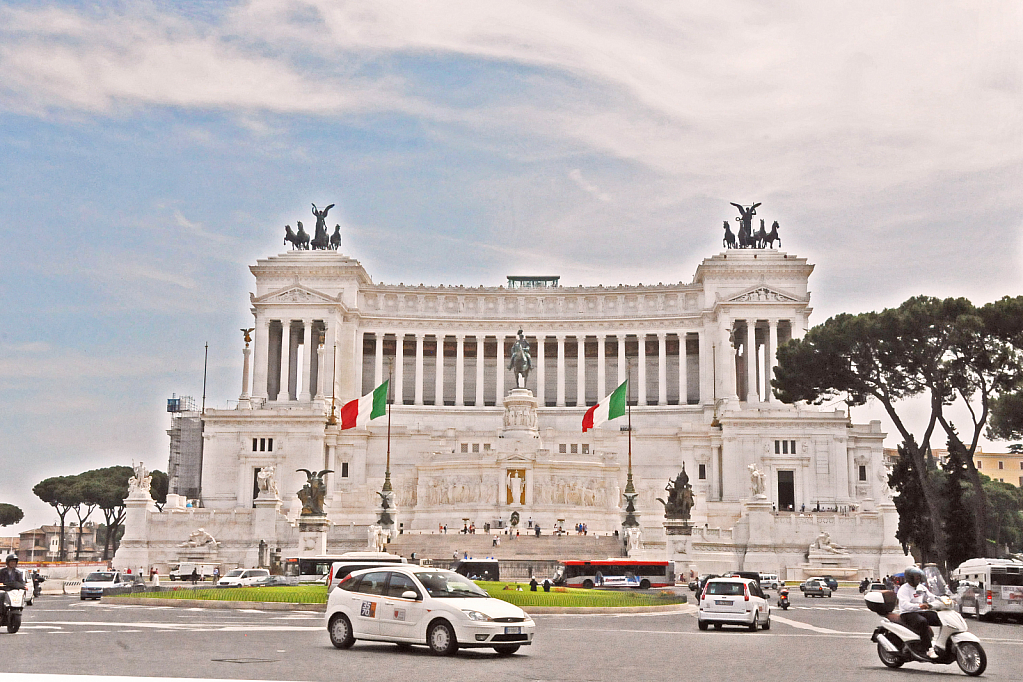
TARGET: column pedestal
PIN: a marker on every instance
(243, 400)
(312, 535)
(264, 523)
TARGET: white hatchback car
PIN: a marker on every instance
(733, 601)
(420, 605)
(244, 577)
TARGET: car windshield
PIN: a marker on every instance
(233, 574)
(729, 589)
(99, 578)
(449, 584)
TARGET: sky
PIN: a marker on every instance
(151, 151)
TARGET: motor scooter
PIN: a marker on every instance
(12, 603)
(897, 644)
(783, 598)
(37, 584)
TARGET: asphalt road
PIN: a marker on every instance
(818, 639)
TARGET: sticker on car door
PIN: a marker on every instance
(399, 614)
(369, 609)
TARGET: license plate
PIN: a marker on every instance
(722, 602)
(513, 630)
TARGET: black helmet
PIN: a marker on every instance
(915, 572)
(11, 557)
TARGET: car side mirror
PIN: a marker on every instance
(409, 594)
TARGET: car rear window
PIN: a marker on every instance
(728, 589)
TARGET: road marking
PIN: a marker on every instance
(807, 626)
(191, 627)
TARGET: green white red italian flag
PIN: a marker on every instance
(610, 407)
(358, 412)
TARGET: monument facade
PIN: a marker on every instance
(489, 387)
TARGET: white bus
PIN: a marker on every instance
(992, 586)
(317, 569)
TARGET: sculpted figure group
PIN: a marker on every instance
(320, 240)
(748, 239)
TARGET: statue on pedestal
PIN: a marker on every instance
(758, 481)
(321, 240)
(377, 538)
(680, 501)
(267, 483)
(200, 538)
(141, 482)
(823, 543)
(313, 492)
(520, 362)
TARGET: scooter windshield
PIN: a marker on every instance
(935, 581)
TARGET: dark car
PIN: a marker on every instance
(694, 585)
(830, 582)
(815, 588)
(702, 581)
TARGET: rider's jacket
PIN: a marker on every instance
(910, 598)
(11, 579)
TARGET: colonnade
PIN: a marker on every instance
(289, 359)
(668, 368)
(568, 369)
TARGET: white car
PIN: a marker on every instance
(733, 601)
(409, 605)
(244, 577)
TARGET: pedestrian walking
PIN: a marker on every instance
(194, 576)
(156, 577)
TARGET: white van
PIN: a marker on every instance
(769, 581)
(244, 577)
(183, 571)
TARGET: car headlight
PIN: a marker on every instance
(477, 615)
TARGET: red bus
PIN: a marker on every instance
(615, 573)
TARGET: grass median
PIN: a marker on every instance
(317, 594)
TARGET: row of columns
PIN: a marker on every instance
(276, 367)
(539, 364)
(277, 372)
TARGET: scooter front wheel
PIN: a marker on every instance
(971, 658)
(13, 622)
(892, 659)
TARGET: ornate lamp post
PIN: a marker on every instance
(630, 493)
(387, 492)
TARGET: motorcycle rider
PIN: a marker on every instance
(10, 576)
(914, 607)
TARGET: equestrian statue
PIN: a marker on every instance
(521, 361)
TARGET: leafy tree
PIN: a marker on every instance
(945, 350)
(84, 496)
(56, 492)
(109, 487)
(958, 511)
(983, 364)
(161, 484)
(1005, 514)
(874, 355)
(1016, 448)
(1007, 419)
(914, 514)
(10, 514)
